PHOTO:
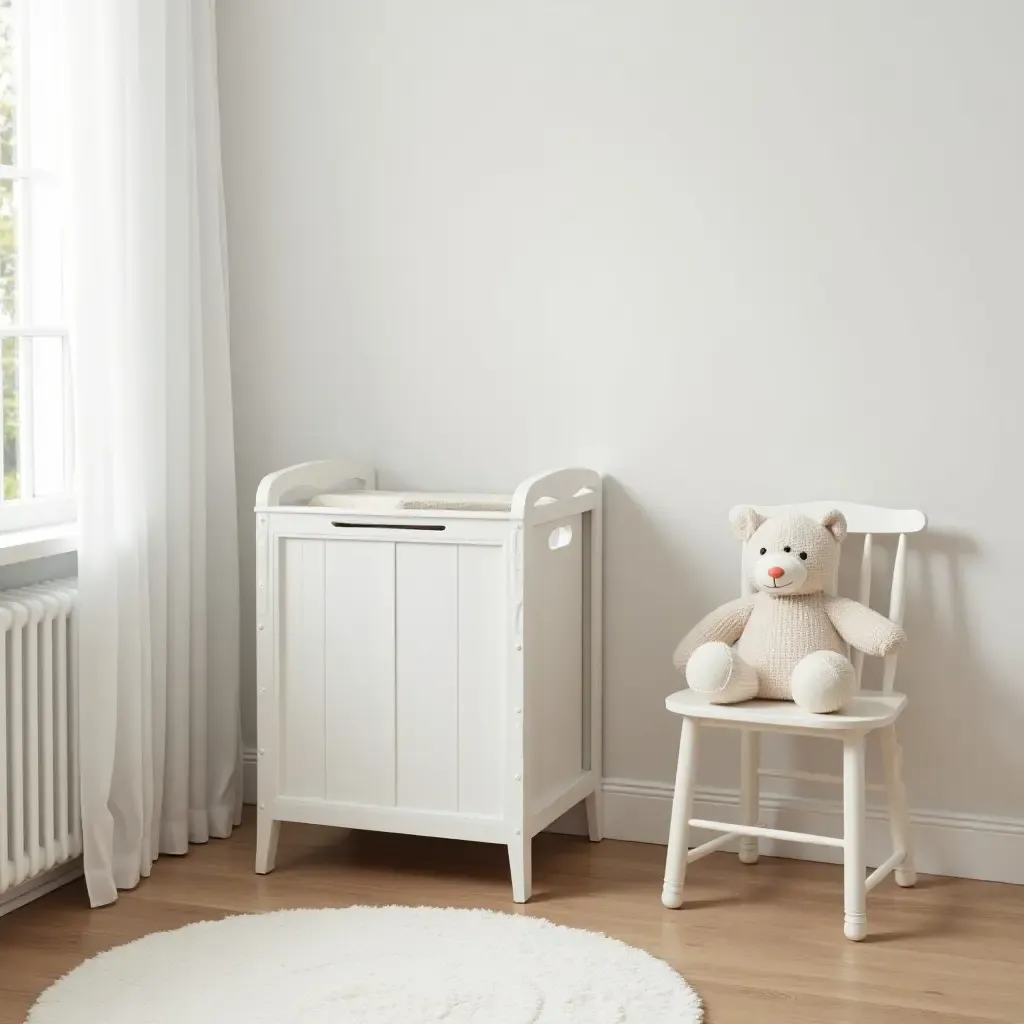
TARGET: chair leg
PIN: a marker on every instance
(682, 811)
(750, 761)
(855, 892)
(899, 818)
(520, 859)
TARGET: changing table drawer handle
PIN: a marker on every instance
(391, 526)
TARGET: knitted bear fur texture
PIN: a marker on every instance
(789, 640)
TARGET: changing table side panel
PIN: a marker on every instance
(554, 638)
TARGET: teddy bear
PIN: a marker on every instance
(789, 639)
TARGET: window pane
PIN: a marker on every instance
(9, 364)
(44, 86)
(48, 412)
(8, 253)
(45, 284)
(8, 78)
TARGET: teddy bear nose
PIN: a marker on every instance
(776, 571)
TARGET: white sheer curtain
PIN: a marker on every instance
(158, 561)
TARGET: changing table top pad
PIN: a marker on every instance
(396, 501)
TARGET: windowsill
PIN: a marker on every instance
(41, 542)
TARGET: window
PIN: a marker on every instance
(36, 457)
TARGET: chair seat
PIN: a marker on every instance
(862, 713)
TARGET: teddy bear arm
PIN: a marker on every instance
(724, 625)
(863, 628)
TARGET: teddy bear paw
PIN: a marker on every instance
(823, 682)
(715, 671)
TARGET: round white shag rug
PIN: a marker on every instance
(372, 965)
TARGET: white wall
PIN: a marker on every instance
(749, 251)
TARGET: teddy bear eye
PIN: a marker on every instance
(763, 550)
(787, 549)
(803, 555)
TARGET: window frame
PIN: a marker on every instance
(30, 511)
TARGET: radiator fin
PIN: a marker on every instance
(40, 826)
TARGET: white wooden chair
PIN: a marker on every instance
(864, 714)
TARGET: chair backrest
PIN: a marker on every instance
(869, 522)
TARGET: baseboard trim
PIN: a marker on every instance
(40, 886)
(946, 842)
(250, 787)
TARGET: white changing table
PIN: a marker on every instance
(428, 664)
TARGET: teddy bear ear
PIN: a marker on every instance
(745, 520)
(835, 522)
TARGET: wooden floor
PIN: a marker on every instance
(760, 944)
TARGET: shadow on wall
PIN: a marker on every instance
(957, 702)
(656, 587)
(654, 590)
(951, 692)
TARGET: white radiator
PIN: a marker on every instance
(40, 829)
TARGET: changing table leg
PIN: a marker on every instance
(520, 859)
(595, 814)
(267, 831)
